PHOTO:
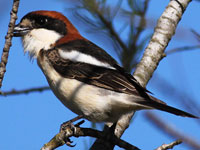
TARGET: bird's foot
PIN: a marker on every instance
(69, 129)
(69, 123)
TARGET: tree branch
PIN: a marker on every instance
(171, 131)
(153, 54)
(111, 30)
(25, 91)
(181, 96)
(169, 146)
(196, 34)
(181, 49)
(63, 137)
(133, 48)
(4, 57)
(164, 30)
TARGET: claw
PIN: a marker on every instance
(69, 143)
(66, 125)
(70, 123)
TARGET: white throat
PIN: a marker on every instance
(38, 39)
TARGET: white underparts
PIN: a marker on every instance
(77, 56)
(38, 39)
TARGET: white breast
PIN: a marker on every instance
(38, 39)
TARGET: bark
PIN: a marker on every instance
(4, 57)
(169, 146)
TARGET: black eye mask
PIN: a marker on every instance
(46, 22)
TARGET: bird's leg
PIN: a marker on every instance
(109, 131)
(112, 128)
(68, 125)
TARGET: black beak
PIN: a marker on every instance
(20, 30)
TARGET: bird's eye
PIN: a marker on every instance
(43, 21)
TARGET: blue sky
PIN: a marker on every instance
(29, 121)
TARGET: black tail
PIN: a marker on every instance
(163, 107)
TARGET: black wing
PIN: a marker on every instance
(90, 74)
(117, 80)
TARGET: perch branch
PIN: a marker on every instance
(60, 138)
(8, 37)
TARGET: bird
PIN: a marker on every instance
(83, 76)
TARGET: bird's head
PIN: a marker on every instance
(43, 30)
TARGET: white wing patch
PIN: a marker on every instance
(76, 56)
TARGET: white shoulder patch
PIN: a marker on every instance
(76, 56)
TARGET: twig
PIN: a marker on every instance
(196, 34)
(133, 48)
(171, 131)
(181, 96)
(25, 91)
(4, 57)
(184, 48)
(142, 23)
(111, 30)
(169, 146)
(60, 138)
